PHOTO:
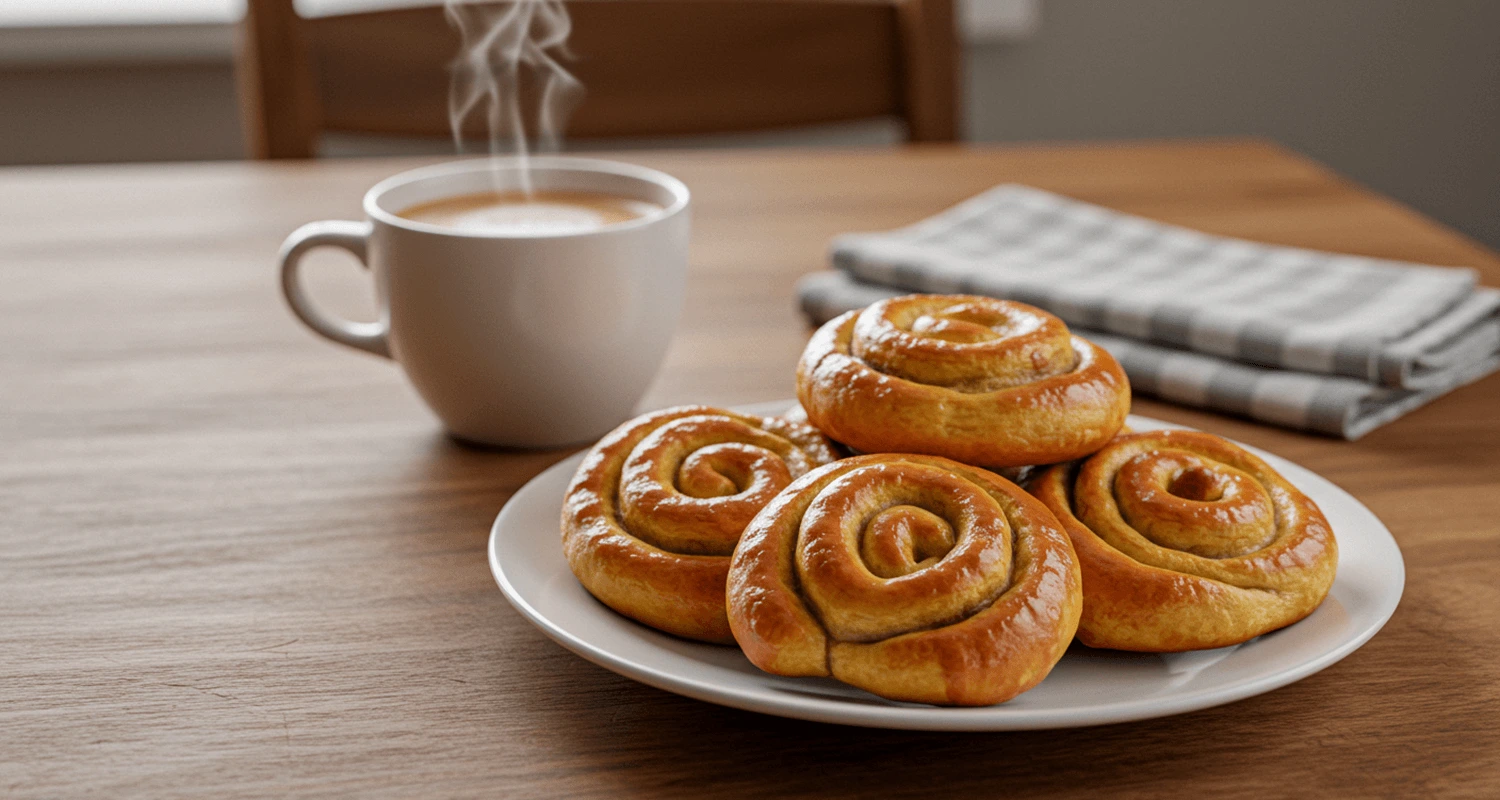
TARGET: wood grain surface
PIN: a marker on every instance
(237, 560)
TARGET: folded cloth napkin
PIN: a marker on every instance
(1331, 343)
(1387, 322)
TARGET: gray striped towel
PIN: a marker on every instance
(1396, 324)
(1330, 343)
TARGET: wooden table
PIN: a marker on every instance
(239, 560)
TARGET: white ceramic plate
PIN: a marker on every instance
(1088, 687)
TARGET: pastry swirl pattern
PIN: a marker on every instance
(913, 577)
(655, 510)
(1188, 541)
(983, 381)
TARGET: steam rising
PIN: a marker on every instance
(500, 41)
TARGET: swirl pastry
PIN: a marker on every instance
(979, 380)
(654, 512)
(1187, 542)
(913, 577)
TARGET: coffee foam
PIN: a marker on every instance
(543, 213)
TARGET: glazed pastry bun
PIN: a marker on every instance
(1187, 541)
(655, 509)
(913, 577)
(982, 381)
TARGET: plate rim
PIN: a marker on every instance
(923, 717)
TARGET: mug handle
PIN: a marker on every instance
(354, 237)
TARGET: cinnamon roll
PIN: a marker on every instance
(913, 577)
(983, 381)
(655, 509)
(1187, 541)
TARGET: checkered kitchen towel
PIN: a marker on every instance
(1334, 343)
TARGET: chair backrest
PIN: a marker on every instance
(649, 67)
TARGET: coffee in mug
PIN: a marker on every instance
(522, 320)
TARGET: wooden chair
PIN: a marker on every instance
(649, 67)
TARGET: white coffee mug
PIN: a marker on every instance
(513, 340)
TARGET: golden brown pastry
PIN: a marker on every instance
(913, 577)
(979, 380)
(656, 507)
(1187, 542)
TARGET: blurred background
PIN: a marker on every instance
(1402, 96)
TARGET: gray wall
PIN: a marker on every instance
(1402, 95)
